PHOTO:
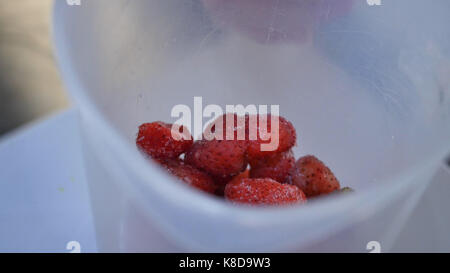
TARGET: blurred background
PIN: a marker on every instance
(30, 86)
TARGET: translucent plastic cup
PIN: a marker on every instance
(366, 86)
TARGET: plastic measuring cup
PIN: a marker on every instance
(366, 87)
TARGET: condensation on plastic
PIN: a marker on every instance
(367, 88)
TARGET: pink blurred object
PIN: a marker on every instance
(269, 21)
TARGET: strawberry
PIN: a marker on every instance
(190, 175)
(220, 158)
(256, 129)
(263, 191)
(221, 182)
(156, 140)
(275, 166)
(313, 177)
(283, 140)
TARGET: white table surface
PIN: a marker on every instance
(44, 203)
(43, 197)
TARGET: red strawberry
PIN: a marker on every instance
(190, 175)
(275, 166)
(263, 191)
(283, 140)
(220, 158)
(156, 140)
(257, 130)
(313, 177)
(221, 182)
